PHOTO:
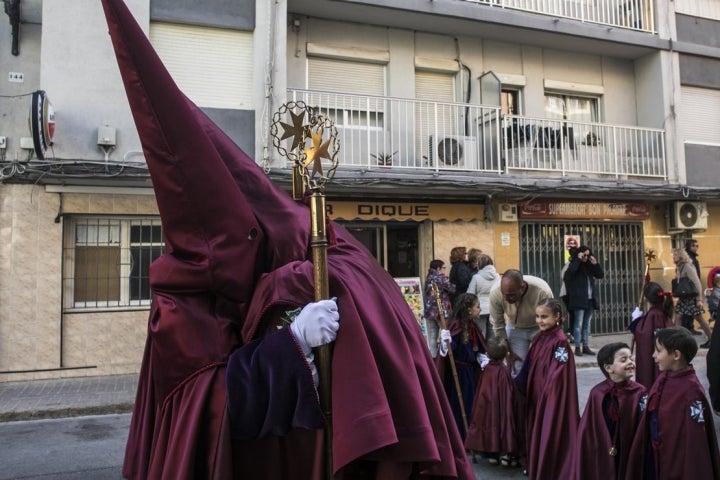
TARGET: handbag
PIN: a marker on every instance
(683, 287)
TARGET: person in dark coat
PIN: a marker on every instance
(225, 390)
(676, 437)
(579, 281)
(643, 328)
(548, 381)
(460, 272)
(611, 417)
(691, 248)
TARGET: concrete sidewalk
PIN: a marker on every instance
(67, 397)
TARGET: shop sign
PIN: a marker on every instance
(384, 211)
(561, 209)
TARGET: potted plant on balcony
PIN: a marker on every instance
(384, 159)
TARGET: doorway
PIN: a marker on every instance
(393, 244)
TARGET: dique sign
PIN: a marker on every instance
(583, 210)
(42, 123)
(341, 210)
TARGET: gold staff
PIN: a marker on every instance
(313, 182)
(451, 358)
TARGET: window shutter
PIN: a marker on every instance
(212, 66)
(346, 77)
(432, 123)
(700, 115)
(434, 86)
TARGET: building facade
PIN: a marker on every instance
(505, 125)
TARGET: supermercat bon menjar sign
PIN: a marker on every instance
(561, 209)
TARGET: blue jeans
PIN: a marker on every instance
(582, 327)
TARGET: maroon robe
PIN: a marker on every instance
(237, 257)
(593, 460)
(550, 388)
(495, 424)
(685, 444)
(647, 371)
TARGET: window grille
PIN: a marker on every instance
(107, 260)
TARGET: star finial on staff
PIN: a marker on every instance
(296, 130)
(317, 152)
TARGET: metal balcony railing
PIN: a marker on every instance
(632, 14)
(395, 133)
(383, 132)
(579, 148)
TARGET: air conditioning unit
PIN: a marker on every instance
(454, 151)
(687, 216)
(507, 212)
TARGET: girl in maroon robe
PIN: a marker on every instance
(495, 427)
(548, 381)
(611, 417)
(676, 437)
(467, 344)
(658, 316)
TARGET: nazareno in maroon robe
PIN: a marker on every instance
(593, 460)
(644, 334)
(496, 424)
(549, 382)
(686, 444)
(237, 257)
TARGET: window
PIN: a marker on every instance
(570, 107)
(510, 101)
(356, 84)
(212, 66)
(107, 259)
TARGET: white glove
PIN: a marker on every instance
(316, 324)
(483, 360)
(637, 313)
(445, 339)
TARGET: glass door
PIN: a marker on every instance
(393, 244)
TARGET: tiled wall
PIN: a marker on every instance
(31, 341)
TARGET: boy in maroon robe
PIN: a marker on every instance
(223, 392)
(611, 417)
(676, 436)
(548, 381)
(495, 428)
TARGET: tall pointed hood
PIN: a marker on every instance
(259, 225)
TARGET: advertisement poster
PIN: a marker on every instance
(412, 290)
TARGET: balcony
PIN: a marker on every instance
(395, 134)
(630, 14)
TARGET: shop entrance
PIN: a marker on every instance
(618, 247)
(394, 244)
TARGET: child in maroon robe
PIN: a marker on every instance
(643, 329)
(611, 417)
(548, 381)
(495, 426)
(467, 344)
(676, 438)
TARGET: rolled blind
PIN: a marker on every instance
(700, 115)
(212, 66)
